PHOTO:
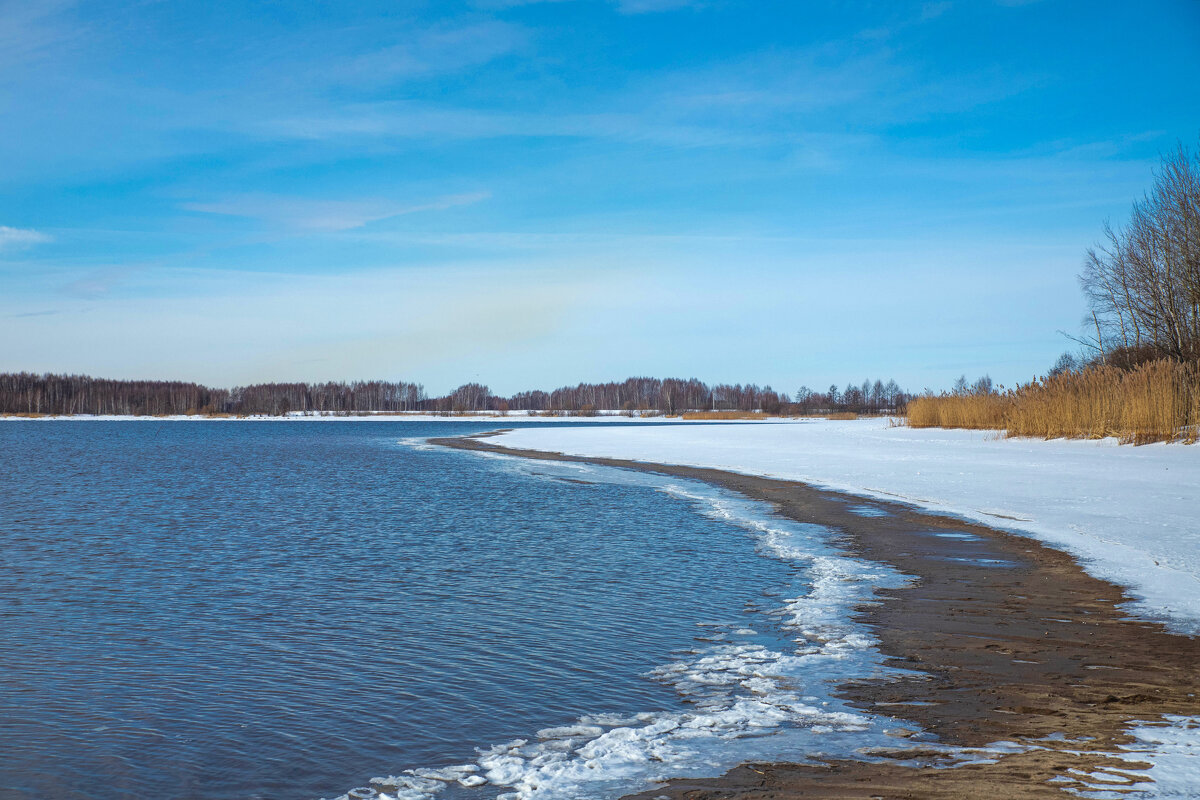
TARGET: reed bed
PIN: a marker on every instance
(727, 415)
(974, 411)
(723, 415)
(1157, 401)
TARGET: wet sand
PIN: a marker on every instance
(1004, 640)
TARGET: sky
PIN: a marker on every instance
(532, 194)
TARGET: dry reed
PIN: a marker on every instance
(976, 411)
(722, 415)
(1155, 402)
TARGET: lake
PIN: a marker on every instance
(241, 609)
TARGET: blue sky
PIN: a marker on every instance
(531, 194)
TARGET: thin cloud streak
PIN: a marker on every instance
(30, 30)
(622, 6)
(437, 51)
(309, 214)
(20, 237)
(97, 284)
(831, 148)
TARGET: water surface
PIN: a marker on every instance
(285, 610)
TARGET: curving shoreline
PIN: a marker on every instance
(1005, 640)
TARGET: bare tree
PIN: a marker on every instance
(1143, 283)
(1065, 363)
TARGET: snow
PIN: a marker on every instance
(1129, 514)
(1171, 747)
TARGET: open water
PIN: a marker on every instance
(236, 609)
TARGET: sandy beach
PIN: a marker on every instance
(1009, 647)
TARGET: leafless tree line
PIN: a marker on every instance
(642, 394)
(869, 397)
(1143, 282)
(29, 393)
(282, 398)
(673, 395)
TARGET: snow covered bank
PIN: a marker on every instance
(1131, 514)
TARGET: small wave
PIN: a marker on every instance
(737, 690)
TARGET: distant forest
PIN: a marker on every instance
(28, 393)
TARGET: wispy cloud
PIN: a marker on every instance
(768, 98)
(438, 50)
(20, 237)
(632, 120)
(741, 102)
(935, 10)
(622, 6)
(29, 28)
(96, 284)
(654, 6)
(316, 215)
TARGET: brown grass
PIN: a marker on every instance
(723, 415)
(1156, 402)
(959, 411)
(719, 415)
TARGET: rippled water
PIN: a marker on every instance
(286, 610)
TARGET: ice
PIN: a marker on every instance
(737, 690)
(569, 732)
(1128, 513)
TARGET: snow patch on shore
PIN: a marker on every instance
(1172, 750)
(1128, 513)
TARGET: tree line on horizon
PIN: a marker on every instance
(30, 393)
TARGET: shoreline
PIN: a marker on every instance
(381, 416)
(1004, 639)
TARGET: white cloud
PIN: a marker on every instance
(20, 237)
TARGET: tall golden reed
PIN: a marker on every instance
(1157, 401)
(719, 415)
(986, 411)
